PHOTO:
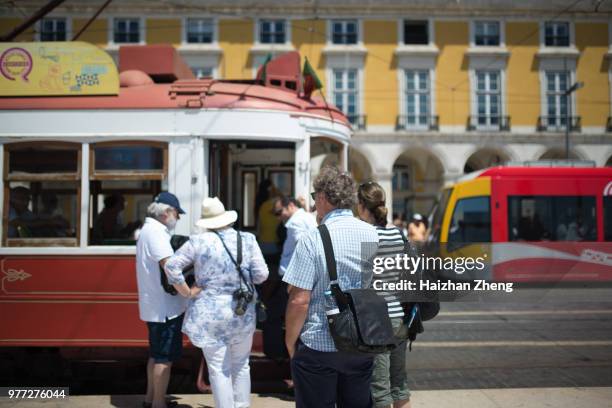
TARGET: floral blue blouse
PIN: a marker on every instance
(210, 319)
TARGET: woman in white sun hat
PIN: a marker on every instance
(221, 318)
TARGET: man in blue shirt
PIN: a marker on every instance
(297, 221)
(323, 376)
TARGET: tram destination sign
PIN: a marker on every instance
(56, 69)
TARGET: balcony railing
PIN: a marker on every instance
(358, 121)
(558, 123)
(489, 122)
(417, 122)
(609, 124)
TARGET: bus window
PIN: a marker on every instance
(125, 177)
(548, 218)
(608, 218)
(438, 215)
(42, 192)
(471, 221)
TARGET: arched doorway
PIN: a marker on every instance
(418, 176)
(485, 157)
(609, 162)
(558, 154)
(359, 166)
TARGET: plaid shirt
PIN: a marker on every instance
(307, 270)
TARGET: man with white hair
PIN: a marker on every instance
(162, 312)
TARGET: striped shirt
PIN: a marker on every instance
(307, 269)
(390, 243)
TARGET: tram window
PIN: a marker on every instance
(130, 157)
(125, 178)
(41, 194)
(548, 218)
(118, 209)
(36, 160)
(607, 218)
(283, 181)
(471, 221)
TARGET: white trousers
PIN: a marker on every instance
(229, 372)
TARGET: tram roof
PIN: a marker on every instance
(192, 93)
(541, 171)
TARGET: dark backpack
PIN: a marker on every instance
(177, 241)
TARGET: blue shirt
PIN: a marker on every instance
(299, 224)
(307, 269)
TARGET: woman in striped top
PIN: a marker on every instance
(389, 379)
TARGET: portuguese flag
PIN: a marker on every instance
(311, 80)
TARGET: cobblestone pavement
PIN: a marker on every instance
(537, 338)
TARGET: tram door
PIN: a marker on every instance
(238, 168)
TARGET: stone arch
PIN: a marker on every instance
(487, 156)
(418, 175)
(609, 162)
(558, 153)
(359, 166)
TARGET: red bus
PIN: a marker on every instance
(544, 223)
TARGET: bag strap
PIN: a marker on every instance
(330, 261)
(237, 262)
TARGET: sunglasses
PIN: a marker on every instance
(313, 195)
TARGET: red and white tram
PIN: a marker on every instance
(68, 278)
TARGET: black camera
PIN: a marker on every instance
(242, 298)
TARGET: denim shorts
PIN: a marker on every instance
(166, 340)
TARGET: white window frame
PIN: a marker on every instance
(111, 30)
(358, 84)
(572, 35)
(565, 63)
(502, 33)
(474, 99)
(330, 33)
(404, 98)
(67, 20)
(430, 32)
(257, 31)
(558, 126)
(184, 33)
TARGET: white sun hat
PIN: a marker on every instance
(214, 215)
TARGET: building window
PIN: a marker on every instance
(126, 30)
(416, 32)
(53, 29)
(487, 33)
(417, 98)
(199, 31)
(345, 92)
(42, 194)
(203, 72)
(556, 100)
(556, 34)
(488, 98)
(124, 179)
(272, 32)
(344, 32)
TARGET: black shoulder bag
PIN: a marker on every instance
(362, 324)
(177, 241)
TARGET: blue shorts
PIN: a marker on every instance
(166, 340)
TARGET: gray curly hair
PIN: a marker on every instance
(339, 187)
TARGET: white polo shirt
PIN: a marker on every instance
(154, 303)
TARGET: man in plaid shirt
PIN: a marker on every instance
(323, 376)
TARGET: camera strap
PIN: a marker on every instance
(237, 262)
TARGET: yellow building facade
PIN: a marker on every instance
(432, 93)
